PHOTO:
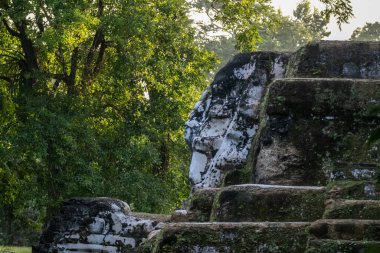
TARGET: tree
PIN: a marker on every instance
(94, 95)
(246, 20)
(369, 32)
(293, 32)
(340, 9)
(307, 24)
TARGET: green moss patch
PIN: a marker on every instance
(346, 229)
(268, 203)
(233, 237)
(201, 203)
(354, 209)
(360, 190)
(341, 246)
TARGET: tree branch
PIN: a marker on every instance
(11, 31)
(90, 68)
(61, 58)
(99, 60)
(56, 85)
(73, 71)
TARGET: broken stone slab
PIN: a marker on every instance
(345, 229)
(331, 59)
(310, 125)
(353, 209)
(221, 126)
(226, 237)
(268, 203)
(342, 246)
(96, 225)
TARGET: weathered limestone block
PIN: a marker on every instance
(315, 131)
(222, 124)
(331, 59)
(345, 229)
(265, 237)
(96, 225)
(269, 203)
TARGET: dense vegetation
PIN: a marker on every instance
(94, 95)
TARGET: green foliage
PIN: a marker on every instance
(369, 32)
(340, 9)
(242, 19)
(254, 22)
(287, 34)
(94, 96)
(307, 25)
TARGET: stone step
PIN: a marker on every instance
(254, 202)
(342, 246)
(273, 237)
(353, 209)
(345, 229)
(359, 190)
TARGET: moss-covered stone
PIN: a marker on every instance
(360, 190)
(347, 59)
(345, 229)
(354, 171)
(233, 237)
(354, 209)
(342, 246)
(201, 204)
(268, 203)
(314, 127)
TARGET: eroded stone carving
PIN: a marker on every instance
(221, 126)
(95, 225)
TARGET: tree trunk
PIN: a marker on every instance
(163, 165)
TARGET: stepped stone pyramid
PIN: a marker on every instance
(280, 163)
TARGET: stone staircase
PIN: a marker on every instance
(315, 185)
(275, 218)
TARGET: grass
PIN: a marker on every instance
(12, 249)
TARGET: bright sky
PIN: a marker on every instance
(364, 11)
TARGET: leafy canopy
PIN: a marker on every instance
(94, 95)
(369, 32)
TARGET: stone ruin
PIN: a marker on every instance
(280, 164)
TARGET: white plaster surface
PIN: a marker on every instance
(221, 126)
(245, 71)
